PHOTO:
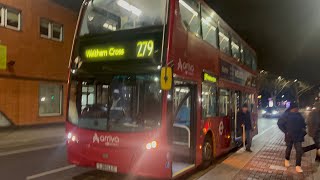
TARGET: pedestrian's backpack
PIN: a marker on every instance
(312, 122)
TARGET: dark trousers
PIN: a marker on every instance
(248, 139)
(299, 151)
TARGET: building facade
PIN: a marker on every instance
(35, 44)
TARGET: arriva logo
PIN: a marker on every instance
(185, 67)
(108, 140)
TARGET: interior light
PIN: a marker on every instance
(188, 7)
(129, 7)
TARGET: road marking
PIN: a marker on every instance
(260, 134)
(30, 149)
(50, 172)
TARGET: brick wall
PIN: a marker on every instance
(36, 59)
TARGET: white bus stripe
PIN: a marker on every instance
(50, 172)
(30, 149)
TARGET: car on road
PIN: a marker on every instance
(270, 112)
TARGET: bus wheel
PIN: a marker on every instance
(207, 152)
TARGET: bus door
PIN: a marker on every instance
(184, 127)
(236, 125)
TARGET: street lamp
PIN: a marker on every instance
(282, 96)
(296, 80)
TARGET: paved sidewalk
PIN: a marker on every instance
(21, 137)
(266, 162)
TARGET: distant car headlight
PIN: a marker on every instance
(308, 108)
(275, 112)
(314, 108)
(263, 111)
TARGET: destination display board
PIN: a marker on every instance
(141, 49)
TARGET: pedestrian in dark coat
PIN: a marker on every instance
(314, 128)
(244, 117)
(293, 125)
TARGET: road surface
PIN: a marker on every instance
(47, 161)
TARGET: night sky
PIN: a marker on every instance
(284, 33)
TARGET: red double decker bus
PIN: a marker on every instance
(155, 86)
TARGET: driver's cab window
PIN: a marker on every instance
(182, 106)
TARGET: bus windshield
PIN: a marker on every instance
(126, 103)
(102, 16)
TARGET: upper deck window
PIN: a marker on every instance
(235, 48)
(189, 11)
(247, 58)
(209, 27)
(224, 42)
(102, 16)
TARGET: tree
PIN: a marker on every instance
(272, 84)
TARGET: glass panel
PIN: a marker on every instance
(189, 11)
(50, 97)
(182, 105)
(247, 58)
(235, 48)
(121, 104)
(44, 27)
(57, 31)
(242, 56)
(13, 18)
(224, 102)
(254, 63)
(1, 16)
(224, 42)
(209, 101)
(209, 28)
(103, 16)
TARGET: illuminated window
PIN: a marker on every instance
(209, 27)
(235, 48)
(209, 100)
(224, 41)
(50, 100)
(190, 16)
(248, 58)
(51, 30)
(254, 63)
(224, 102)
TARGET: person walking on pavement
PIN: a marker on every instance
(293, 125)
(244, 117)
(313, 125)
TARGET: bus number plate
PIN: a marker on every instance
(106, 167)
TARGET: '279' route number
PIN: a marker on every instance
(145, 48)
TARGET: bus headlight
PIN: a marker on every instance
(263, 111)
(274, 112)
(69, 136)
(72, 137)
(151, 145)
